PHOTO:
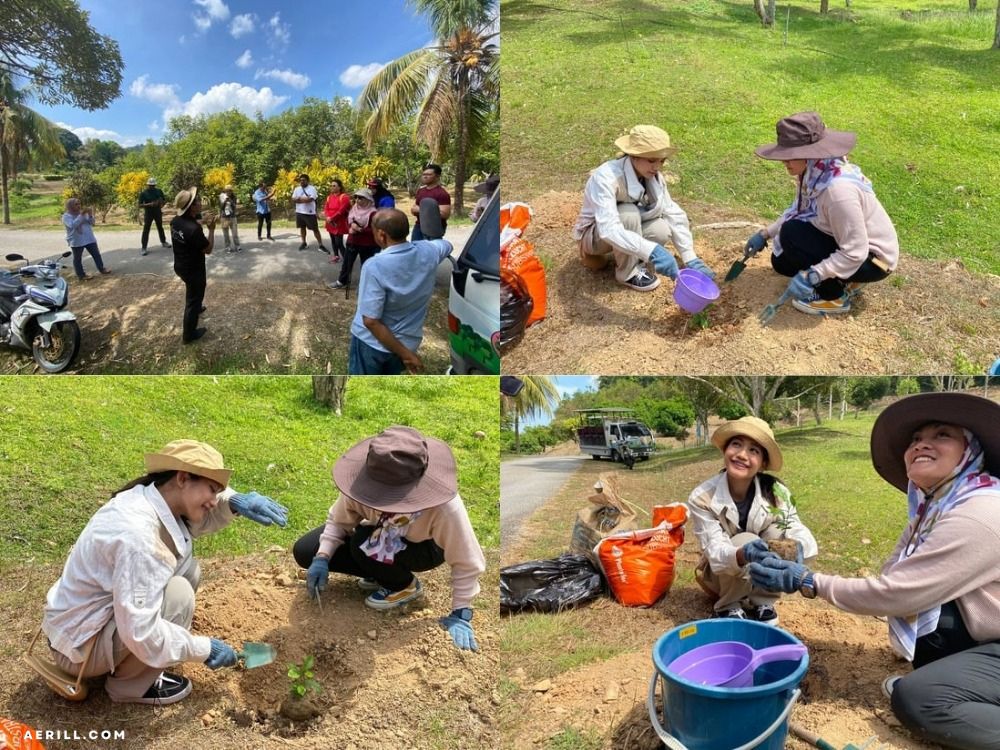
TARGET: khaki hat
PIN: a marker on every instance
(364, 193)
(894, 428)
(151, 181)
(184, 199)
(804, 136)
(191, 456)
(488, 185)
(648, 141)
(400, 470)
(757, 430)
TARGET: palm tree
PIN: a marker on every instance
(25, 137)
(453, 86)
(538, 396)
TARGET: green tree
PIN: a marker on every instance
(51, 44)
(539, 396)
(25, 137)
(98, 155)
(94, 191)
(71, 143)
(452, 86)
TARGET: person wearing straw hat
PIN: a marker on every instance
(399, 512)
(228, 210)
(487, 187)
(940, 586)
(151, 200)
(131, 577)
(736, 512)
(190, 248)
(836, 236)
(628, 215)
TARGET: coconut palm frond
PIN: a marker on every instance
(448, 16)
(394, 92)
(437, 116)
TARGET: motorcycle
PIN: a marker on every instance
(33, 316)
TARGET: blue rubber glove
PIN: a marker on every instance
(663, 262)
(799, 556)
(799, 287)
(699, 265)
(755, 244)
(756, 551)
(222, 655)
(775, 574)
(460, 631)
(259, 508)
(317, 575)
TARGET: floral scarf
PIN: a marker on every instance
(817, 178)
(387, 541)
(925, 510)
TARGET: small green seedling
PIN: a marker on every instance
(785, 512)
(700, 321)
(302, 678)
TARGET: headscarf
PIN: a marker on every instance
(361, 215)
(925, 509)
(388, 538)
(817, 178)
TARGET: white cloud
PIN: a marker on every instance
(87, 133)
(226, 96)
(289, 77)
(154, 125)
(280, 33)
(213, 10)
(245, 60)
(242, 24)
(357, 76)
(163, 94)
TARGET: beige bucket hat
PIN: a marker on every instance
(200, 459)
(757, 430)
(184, 199)
(647, 141)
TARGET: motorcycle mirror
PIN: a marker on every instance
(66, 254)
(14, 256)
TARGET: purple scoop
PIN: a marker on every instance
(693, 290)
(729, 663)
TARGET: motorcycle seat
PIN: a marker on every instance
(10, 285)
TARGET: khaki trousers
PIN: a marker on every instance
(230, 225)
(733, 589)
(595, 251)
(131, 678)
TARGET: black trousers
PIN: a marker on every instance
(261, 218)
(150, 217)
(952, 697)
(803, 246)
(352, 253)
(351, 559)
(337, 244)
(194, 296)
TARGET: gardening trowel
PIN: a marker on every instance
(256, 654)
(771, 310)
(816, 741)
(737, 268)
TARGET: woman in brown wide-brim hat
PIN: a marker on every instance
(940, 587)
(836, 236)
(399, 512)
(734, 514)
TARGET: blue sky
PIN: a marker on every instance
(567, 385)
(204, 56)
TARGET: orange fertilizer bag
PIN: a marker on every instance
(639, 565)
(517, 256)
(12, 736)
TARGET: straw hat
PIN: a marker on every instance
(399, 470)
(151, 181)
(647, 141)
(184, 199)
(804, 136)
(191, 456)
(757, 430)
(894, 428)
(364, 193)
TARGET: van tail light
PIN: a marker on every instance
(453, 323)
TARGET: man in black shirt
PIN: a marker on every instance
(151, 200)
(190, 248)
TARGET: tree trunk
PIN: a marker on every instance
(972, 4)
(758, 7)
(824, 6)
(4, 195)
(769, 21)
(329, 389)
(517, 434)
(996, 37)
(462, 151)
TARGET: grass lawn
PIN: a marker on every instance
(68, 443)
(916, 80)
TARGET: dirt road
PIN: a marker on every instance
(525, 485)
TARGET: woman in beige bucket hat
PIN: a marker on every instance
(628, 215)
(127, 589)
(836, 236)
(734, 516)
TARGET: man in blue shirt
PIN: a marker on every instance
(393, 296)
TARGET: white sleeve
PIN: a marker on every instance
(600, 193)
(715, 542)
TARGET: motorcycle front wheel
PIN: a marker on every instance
(65, 336)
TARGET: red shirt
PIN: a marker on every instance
(336, 210)
(438, 193)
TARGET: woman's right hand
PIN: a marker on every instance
(222, 655)
(756, 243)
(317, 575)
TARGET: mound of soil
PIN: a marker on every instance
(929, 317)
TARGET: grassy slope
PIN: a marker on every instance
(67, 443)
(919, 88)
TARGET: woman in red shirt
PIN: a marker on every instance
(337, 206)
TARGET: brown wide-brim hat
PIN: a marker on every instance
(894, 428)
(400, 470)
(804, 136)
(184, 199)
(757, 430)
(200, 459)
(647, 141)
(488, 185)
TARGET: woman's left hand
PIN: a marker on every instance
(775, 574)
(259, 508)
(800, 287)
(460, 631)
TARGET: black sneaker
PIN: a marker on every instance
(168, 688)
(642, 281)
(302, 246)
(324, 249)
(199, 332)
(736, 613)
(766, 614)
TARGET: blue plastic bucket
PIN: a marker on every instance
(705, 717)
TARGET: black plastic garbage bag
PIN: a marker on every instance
(549, 585)
(515, 307)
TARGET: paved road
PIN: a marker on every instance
(278, 261)
(528, 483)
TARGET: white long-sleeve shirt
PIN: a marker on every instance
(79, 229)
(616, 182)
(715, 519)
(119, 568)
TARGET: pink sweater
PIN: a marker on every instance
(448, 525)
(960, 560)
